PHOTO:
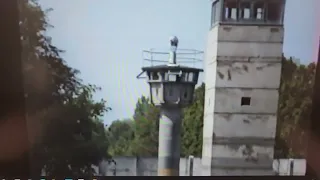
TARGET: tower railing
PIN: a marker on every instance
(185, 57)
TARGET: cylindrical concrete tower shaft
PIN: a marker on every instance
(169, 141)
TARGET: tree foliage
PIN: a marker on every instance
(70, 135)
(75, 138)
(146, 128)
(295, 104)
(192, 125)
(120, 135)
(138, 137)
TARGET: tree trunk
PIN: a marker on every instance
(14, 159)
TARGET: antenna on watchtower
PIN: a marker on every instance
(173, 51)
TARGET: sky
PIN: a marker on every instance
(104, 39)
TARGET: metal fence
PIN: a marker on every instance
(187, 57)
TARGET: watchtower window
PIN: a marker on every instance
(245, 101)
(259, 11)
(216, 12)
(172, 77)
(274, 11)
(190, 77)
(230, 7)
(155, 76)
(245, 10)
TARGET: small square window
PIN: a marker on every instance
(245, 101)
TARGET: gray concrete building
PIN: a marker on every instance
(242, 76)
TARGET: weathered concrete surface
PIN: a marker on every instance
(245, 41)
(125, 166)
(246, 125)
(263, 101)
(169, 141)
(242, 62)
(249, 49)
(147, 166)
(250, 34)
(282, 167)
(248, 74)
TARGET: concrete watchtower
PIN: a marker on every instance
(171, 89)
(242, 76)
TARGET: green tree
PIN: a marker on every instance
(146, 126)
(75, 138)
(120, 137)
(192, 125)
(66, 132)
(295, 103)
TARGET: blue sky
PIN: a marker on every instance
(104, 39)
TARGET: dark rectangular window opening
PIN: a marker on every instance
(215, 12)
(274, 12)
(259, 11)
(245, 101)
(245, 10)
(155, 76)
(231, 9)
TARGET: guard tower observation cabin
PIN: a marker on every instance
(260, 12)
(172, 85)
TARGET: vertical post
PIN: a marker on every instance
(169, 141)
(172, 57)
(291, 166)
(138, 171)
(190, 164)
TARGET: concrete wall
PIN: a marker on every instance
(249, 41)
(262, 74)
(133, 166)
